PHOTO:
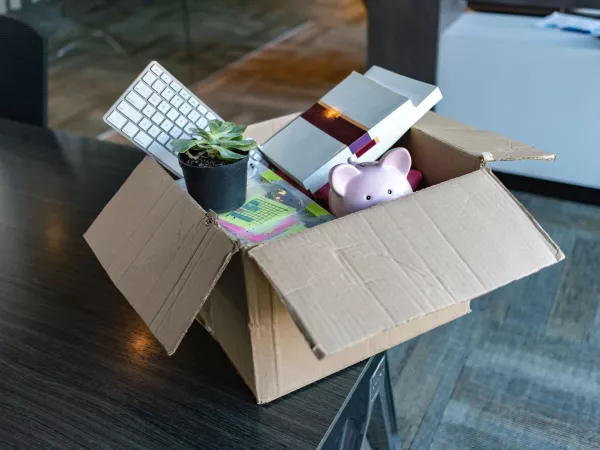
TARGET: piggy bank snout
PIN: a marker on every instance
(374, 185)
(377, 185)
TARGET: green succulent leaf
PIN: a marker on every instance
(239, 129)
(183, 145)
(244, 146)
(218, 141)
(225, 128)
(232, 136)
(195, 131)
(227, 154)
(214, 126)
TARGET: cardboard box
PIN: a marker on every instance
(294, 310)
(364, 115)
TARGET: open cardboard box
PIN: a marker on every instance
(294, 310)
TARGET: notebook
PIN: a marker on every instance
(363, 116)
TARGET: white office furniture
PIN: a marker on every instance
(539, 86)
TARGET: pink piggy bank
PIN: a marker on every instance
(353, 187)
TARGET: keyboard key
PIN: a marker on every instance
(143, 90)
(176, 101)
(159, 151)
(164, 107)
(185, 94)
(117, 119)
(202, 123)
(136, 100)
(158, 86)
(175, 86)
(168, 93)
(149, 110)
(166, 125)
(163, 138)
(145, 124)
(211, 116)
(149, 78)
(154, 131)
(206, 128)
(203, 109)
(181, 122)
(129, 112)
(173, 115)
(194, 115)
(155, 99)
(130, 129)
(175, 132)
(185, 136)
(157, 70)
(185, 108)
(158, 118)
(194, 102)
(166, 78)
(143, 139)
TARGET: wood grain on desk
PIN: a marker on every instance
(78, 367)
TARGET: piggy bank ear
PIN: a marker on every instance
(340, 176)
(398, 158)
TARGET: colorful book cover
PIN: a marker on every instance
(362, 116)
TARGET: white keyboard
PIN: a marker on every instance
(155, 109)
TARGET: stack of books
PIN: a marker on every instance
(362, 117)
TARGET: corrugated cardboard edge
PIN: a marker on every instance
(225, 317)
(441, 127)
(321, 353)
(149, 174)
(273, 329)
(314, 347)
(211, 287)
(559, 255)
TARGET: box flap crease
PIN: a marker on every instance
(484, 144)
(161, 250)
(351, 279)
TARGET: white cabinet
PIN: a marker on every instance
(539, 86)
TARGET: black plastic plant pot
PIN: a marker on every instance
(221, 188)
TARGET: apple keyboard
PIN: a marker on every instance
(155, 109)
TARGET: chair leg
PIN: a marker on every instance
(349, 430)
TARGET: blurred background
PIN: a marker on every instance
(522, 371)
(249, 60)
(254, 60)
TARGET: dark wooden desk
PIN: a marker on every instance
(78, 367)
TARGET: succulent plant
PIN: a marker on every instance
(222, 140)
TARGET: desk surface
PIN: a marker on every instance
(78, 367)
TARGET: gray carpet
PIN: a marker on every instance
(523, 369)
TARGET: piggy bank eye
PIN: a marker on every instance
(389, 191)
(368, 197)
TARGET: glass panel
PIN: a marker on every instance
(97, 47)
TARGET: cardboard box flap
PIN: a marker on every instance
(489, 146)
(161, 250)
(353, 278)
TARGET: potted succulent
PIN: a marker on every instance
(215, 164)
